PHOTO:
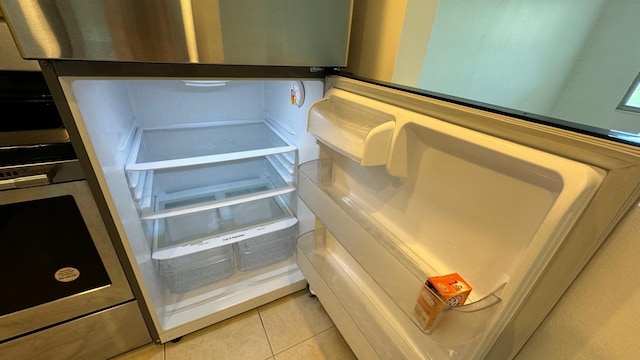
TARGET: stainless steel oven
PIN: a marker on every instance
(64, 292)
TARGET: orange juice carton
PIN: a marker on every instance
(437, 293)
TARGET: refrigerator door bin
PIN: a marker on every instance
(192, 271)
(363, 322)
(264, 250)
(181, 190)
(184, 145)
(461, 324)
(369, 244)
(198, 231)
(355, 126)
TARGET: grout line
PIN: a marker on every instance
(301, 341)
(264, 329)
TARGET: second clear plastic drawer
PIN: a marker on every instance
(265, 250)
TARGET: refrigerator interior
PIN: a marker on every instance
(439, 199)
(200, 177)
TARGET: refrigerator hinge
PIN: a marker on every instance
(317, 69)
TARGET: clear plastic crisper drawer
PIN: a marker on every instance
(267, 249)
(191, 271)
(203, 143)
(177, 191)
(199, 231)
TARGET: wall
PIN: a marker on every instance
(597, 316)
(515, 54)
(601, 75)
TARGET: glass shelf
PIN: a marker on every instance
(178, 191)
(177, 146)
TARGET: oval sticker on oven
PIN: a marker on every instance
(67, 274)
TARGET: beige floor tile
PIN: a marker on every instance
(293, 319)
(241, 337)
(327, 345)
(148, 352)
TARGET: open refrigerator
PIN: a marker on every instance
(228, 193)
(233, 163)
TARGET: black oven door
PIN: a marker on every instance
(57, 260)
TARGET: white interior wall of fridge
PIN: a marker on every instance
(107, 113)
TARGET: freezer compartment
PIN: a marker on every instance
(184, 145)
(198, 231)
(181, 190)
(264, 250)
(195, 270)
(358, 127)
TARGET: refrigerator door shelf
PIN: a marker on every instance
(188, 234)
(370, 244)
(355, 126)
(188, 145)
(179, 191)
(371, 323)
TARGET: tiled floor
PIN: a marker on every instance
(294, 327)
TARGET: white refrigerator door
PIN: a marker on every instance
(410, 187)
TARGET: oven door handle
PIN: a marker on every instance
(26, 181)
